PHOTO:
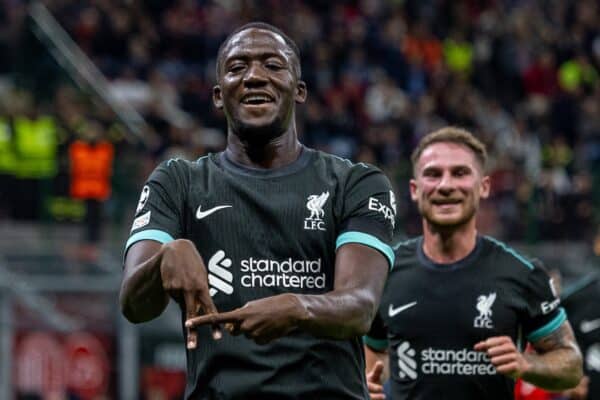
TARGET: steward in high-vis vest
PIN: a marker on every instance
(36, 144)
(91, 169)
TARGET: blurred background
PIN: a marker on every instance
(94, 94)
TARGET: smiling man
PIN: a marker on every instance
(285, 247)
(458, 305)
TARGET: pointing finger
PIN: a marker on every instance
(213, 319)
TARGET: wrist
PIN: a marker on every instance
(299, 311)
(526, 367)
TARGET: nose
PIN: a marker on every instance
(446, 184)
(255, 75)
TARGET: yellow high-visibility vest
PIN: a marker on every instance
(36, 145)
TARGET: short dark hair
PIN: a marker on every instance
(451, 134)
(268, 27)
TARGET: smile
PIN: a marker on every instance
(257, 99)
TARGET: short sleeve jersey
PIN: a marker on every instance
(432, 315)
(263, 233)
(581, 300)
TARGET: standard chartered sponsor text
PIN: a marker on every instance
(455, 362)
(289, 273)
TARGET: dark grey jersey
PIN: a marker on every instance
(262, 233)
(432, 315)
(581, 301)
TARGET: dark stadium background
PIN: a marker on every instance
(523, 75)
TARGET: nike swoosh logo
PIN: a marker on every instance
(588, 326)
(395, 311)
(203, 214)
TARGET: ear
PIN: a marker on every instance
(414, 195)
(301, 92)
(217, 98)
(484, 189)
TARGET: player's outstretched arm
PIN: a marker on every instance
(345, 312)
(556, 365)
(349, 309)
(153, 272)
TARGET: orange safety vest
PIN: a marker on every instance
(91, 169)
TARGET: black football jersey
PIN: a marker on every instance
(432, 315)
(582, 302)
(263, 233)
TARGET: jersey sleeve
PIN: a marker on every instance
(158, 215)
(369, 211)
(376, 338)
(543, 312)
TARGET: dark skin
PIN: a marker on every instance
(258, 88)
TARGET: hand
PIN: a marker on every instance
(504, 355)
(374, 381)
(579, 392)
(261, 320)
(184, 276)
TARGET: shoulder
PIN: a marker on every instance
(406, 253)
(343, 165)
(179, 167)
(507, 257)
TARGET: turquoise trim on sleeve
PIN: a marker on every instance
(550, 327)
(367, 240)
(150, 234)
(376, 344)
(512, 251)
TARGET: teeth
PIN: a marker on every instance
(256, 99)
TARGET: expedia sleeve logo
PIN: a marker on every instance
(388, 212)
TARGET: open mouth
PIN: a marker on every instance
(257, 99)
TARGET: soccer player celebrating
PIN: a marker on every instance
(289, 244)
(457, 305)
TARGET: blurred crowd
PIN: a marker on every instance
(524, 76)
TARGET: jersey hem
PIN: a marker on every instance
(376, 344)
(367, 240)
(550, 327)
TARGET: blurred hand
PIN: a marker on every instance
(580, 391)
(504, 355)
(374, 381)
(261, 320)
(185, 278)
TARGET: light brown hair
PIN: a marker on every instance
(451, 134)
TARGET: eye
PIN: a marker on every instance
(431, 173)
(274, 66)
(236, 67)
(462, 172)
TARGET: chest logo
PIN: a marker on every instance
(203, 214)
(407, 365)
(220, 277)
(314, 204)
(395, 311)
(484, 306)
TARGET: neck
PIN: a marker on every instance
(275, 153)
(446, 245)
